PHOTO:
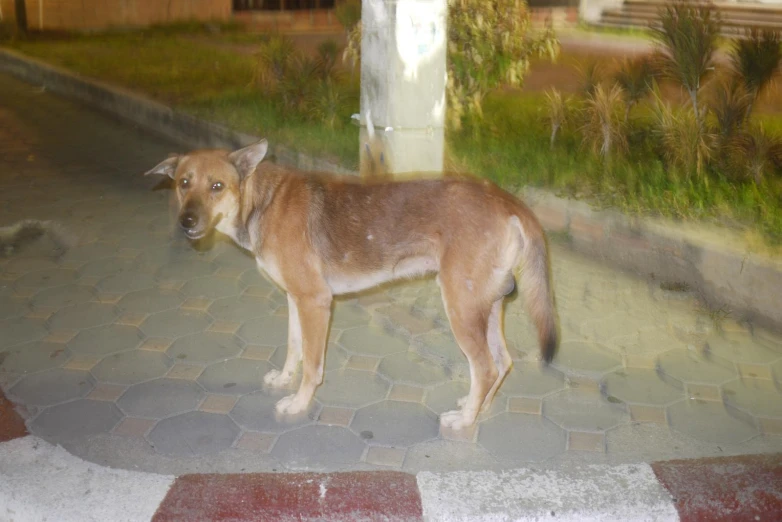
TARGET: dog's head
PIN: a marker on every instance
(208, 184)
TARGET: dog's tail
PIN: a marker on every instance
(27, 230)
(535, 281)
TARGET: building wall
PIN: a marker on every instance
(103, 14)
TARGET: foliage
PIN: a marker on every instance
(489, 44)
(558, 109)
(635, 77)
(730, 106)
(686, 142)
(348, 13)
(756, 59)
(687, 34)
(603, 130)
(273, 63)
(760, 152)
(590, 76)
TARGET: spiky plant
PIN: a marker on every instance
(329, 104)
(272, 63)
(604, 128)
(635, 77)
(590, 76)
(687, 36)
(327, 58)
(729, 104)
(686, 142)
(756, 59)
(296, 88)
(759, 150)
(558, 109)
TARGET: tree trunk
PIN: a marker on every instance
(21, 15)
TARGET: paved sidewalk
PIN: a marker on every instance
(140, 351)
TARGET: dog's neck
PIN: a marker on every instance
(231, 225)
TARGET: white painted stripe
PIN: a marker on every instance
(627, 493)
(39, 481)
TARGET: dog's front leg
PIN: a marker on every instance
(314, 313)
(277, 378)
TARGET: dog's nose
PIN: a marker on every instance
(188, 221)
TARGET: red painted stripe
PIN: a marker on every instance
(11, 424)
(344, 497)
(746, 487)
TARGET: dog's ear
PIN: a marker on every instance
(167, 167)
(245, 160)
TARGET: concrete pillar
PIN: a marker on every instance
(403, 78)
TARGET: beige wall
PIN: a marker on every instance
(102, 14)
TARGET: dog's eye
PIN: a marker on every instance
(217, 186)
(184, 183)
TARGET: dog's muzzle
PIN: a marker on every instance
(190, 223)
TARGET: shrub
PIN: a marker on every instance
(687, 34)
(760, 152)
(273, 63)
(604, 130)
(756, 59)
(635, 77)
(558, 109)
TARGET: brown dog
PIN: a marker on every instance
(318, 236)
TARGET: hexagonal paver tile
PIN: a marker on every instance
(46, 278)
(212, 287)
(532, 380)
(33, 357)
(96, 250)
(335, 357)
(106, 339)
(271, 330)
(12, 306)
(21, 330)
(253, 277)
(394, 423)
(585, 359)
(411, 368)
(583, 411)
(347, 315)
(708, 421)
(194, 433)
(184, 270)
(371, 340)
(76, 420)
(52, 387)
(62, 296)
(235, 376)
(351, 388)
(83, 315)
(640, 386)
(161, 398)
(234, 257)
(17, 267)
(151, 300)
(448, 455)
(175, 323)
(256, 412)
(757, 396)
(126, 281)
(241, 308)
(534, 438)
(207, 347)
(108, 266)
(318, 448)
(443, 398)
(740, 348)
(689, 367)
(442, 349)
(131, 367)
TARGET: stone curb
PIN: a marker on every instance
(713, 263)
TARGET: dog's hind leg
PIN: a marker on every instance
(314, 313)
(499, 350)
(469, 321)
(280, 378)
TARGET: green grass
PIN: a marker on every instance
(510, 146)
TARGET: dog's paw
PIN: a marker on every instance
(291, 405)
(455, 420)
(277, 379)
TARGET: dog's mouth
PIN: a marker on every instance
(198, 232)
(194, 233)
